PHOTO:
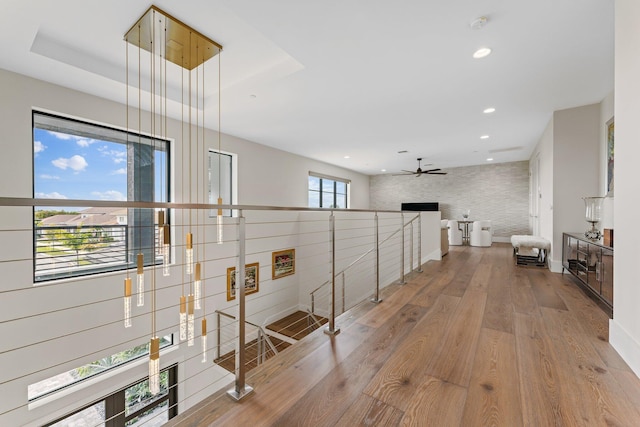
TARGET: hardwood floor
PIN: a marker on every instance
(473, 340)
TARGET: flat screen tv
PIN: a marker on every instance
(424, 206)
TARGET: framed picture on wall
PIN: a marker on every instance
(283, 263)
(610, 146)
(251, 280)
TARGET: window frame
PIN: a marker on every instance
(115, 403)
(233, 181)
(166, 342)
(334, 192)
(114, 135)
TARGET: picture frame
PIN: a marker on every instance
(283, 263)
(251, 280)
(609, 156)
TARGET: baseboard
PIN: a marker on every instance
(555, 266)
(625, 345)
(435, 255)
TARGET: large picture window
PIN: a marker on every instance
(132, 406)
(327, 192)
(73, 159)
(74, 376)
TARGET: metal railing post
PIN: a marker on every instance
(260, 348)
(402, 281)
(343, 291)
(218, 334)
(419, 243)
(376, 296)
(331, 330)
(411, 246)
(241, 389)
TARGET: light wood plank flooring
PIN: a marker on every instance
(473, 340)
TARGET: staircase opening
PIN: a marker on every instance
(282, 333)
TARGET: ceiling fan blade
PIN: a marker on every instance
(432, 170)
(402, 174)
(404, 170)
(436, 173)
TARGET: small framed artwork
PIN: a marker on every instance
(283, 263)
(251, 280)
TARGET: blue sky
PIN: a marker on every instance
(73, 167)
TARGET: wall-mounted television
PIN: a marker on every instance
(423, 206)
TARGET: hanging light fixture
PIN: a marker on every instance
(166, 43)
(164, 234)
(140, 278)
(127, 302)
(197, 286)
(183, 318)
(219, 222)
(203, 340)
(190, 322)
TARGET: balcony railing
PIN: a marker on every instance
(54, 327)
(70, 251)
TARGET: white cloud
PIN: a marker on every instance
(85, 142)
(77, 163)
(121, 171)
(118, 156)
(49, 177)
(62, 136)
(38, 147)
(80, 140)
(54, 195)
(109, 195)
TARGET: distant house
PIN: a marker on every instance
(88, 217)
(91, 217)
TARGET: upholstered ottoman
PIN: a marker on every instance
(530, 250)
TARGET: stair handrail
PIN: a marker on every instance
(312, 293)
(261, 333)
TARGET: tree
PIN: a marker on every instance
(78, 240)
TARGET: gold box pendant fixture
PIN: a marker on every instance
(185, 46)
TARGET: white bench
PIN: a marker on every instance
(530, 250)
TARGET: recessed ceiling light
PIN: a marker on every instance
(490, 159)
(489, 110)
(347, 157)
(481, 53)
(484, 137)
(383, 170)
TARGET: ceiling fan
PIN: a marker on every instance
(419, 171)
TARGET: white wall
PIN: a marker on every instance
(624, 332)
(497, 192)
(266, 176)
(576, 169)
(544, 152)
(569, 153)
(276, 178)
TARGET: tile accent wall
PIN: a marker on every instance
(497, 192)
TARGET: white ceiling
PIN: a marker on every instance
(358, 78)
